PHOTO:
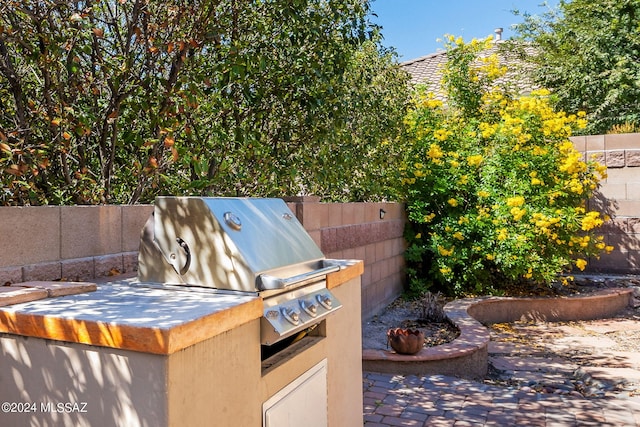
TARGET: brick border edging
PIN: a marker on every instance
(467, 355)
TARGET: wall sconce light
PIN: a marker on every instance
(382, 212)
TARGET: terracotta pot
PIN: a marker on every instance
(405, 341)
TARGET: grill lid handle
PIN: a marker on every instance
(267, 282)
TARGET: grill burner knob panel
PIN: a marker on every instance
(291, 315)
(309, 307)
(325, 301)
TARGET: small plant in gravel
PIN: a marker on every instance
(432, 307)
(496, 191)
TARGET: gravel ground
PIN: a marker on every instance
(404, 314)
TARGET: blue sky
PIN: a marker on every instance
(413, 26)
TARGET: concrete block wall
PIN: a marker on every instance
(360, 231)
(81, 243)
(618, 196)
(75, 243)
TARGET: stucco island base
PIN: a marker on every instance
(467, 355)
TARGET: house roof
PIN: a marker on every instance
(428, 69)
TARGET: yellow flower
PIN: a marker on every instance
(572, 163)
(515, 201)
(518, 213)
(539, 151)
(490, 257)
(581, 264)
(482, 213)
(445, 252)
(474, 160)
(458, 235)
(419, 236)
(429, 217)
(445, 270)
(575, 186)
(502, 234)
(540, 92)
(441, 134)
(591, 220)
(428, 101)
(408, 180)
(483, 193)
(453, 202)
(487, 130)
(435, 153)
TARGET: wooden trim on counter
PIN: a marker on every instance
(353, 270)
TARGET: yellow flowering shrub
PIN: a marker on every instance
(497, 192)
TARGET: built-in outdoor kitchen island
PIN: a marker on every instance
(137, 353)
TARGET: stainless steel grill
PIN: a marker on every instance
(240, 245)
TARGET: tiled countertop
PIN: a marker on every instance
(128, 316)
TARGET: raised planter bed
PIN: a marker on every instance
(467, 355)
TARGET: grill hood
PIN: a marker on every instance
(241, 244)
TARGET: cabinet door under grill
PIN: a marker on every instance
(301, 403)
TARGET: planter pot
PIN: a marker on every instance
(405, 341)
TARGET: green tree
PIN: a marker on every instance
(588, 54)
(116, 101)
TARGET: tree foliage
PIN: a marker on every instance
(117, 101)
(496, 191)
(588, 54)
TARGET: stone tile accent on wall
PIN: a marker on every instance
(45, 271)
(632, 158)
(10, 275)
(334, 239)
(78, 269)
(614, 159)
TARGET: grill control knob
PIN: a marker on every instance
(309, 307)
(291, 315)
(233, 221)
(325, 301)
